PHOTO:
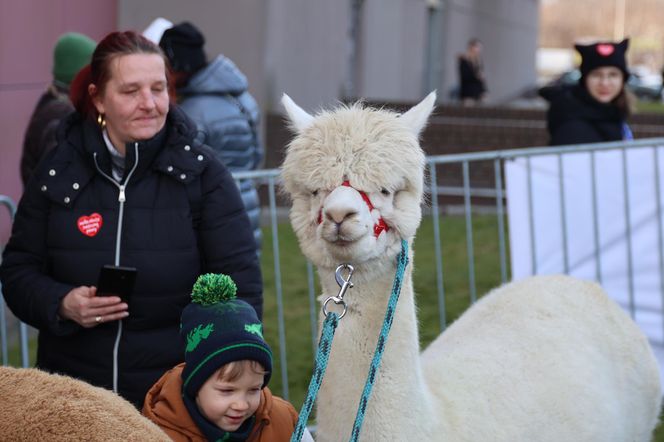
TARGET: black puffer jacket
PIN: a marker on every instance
(574, 117)
(470, 78)
(174, 186)
(52, 107)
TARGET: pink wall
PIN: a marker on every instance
(28, 30)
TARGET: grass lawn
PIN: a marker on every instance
(654, 107)
(296, 305)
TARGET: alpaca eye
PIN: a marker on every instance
(385, 192)
(315, 192)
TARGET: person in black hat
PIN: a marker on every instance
(220, 392)
(215, 95)
(594, 110)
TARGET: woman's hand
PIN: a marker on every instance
(83, 306)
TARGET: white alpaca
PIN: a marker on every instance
(546, 359)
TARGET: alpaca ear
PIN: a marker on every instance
(299, 119)
(416, 118)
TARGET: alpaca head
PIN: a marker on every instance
(355, 177)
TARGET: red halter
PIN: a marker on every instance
(380, 225)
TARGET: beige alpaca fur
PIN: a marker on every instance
(549, 358)
(38, 406)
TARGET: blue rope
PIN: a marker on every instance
(323, 353)
(402, 262)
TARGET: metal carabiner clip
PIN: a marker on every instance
(344, 284)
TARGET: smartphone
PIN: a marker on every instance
(116, 281)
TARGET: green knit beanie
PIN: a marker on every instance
(72, 51)
(219, 328)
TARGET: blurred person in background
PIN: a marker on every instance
(215, 95)
(472, 86)
(596, 109)
(72, 51)
(127, 185)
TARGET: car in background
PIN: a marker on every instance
(642, 83)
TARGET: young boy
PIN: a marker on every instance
(219, 393)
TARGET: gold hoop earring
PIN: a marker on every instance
(101, 121)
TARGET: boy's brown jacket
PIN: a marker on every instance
(275, 418)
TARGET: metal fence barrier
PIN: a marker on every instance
(498, 159)
(465, 191)
(4, 328)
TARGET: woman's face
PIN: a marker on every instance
(134, 101)
(475, 49)
(605, 83)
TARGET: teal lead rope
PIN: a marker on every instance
(402, 262)
(323, 353)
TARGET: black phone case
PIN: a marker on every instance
(116, 280)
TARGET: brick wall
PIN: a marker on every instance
(456, 129)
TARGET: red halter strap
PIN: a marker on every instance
(380, 225)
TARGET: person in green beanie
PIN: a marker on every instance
(220, 391)
(72, 51)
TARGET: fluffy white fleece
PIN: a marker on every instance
(549, 358)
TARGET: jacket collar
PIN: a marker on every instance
(575, 103)
(184, 157)
(87, 138)
(164, 405)
(606, 111)
(175, 151)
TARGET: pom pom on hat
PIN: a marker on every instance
(218, 329)
(212, 288)
(602, 54)
(71, 53)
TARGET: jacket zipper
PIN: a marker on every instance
(121, 199)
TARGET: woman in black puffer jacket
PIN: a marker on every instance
(594, 110)
(127, 185)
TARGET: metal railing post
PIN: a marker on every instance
(11, 207)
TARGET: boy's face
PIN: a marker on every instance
(227, 404)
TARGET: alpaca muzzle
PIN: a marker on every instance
(379, 226)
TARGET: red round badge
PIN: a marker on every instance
(605, 50)
(90, 225)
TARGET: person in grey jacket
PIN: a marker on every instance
(215, 95)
